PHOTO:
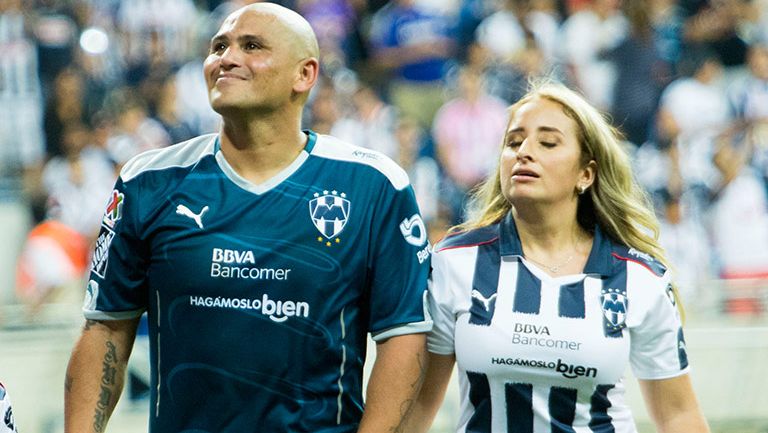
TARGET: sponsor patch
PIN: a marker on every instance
(278, 311)
(570, 371)
(414, 231)
(114, 209)
(101, 251)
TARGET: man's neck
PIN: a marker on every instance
(259, 149)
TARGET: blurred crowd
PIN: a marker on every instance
(87, 84)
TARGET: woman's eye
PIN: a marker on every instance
(514, 141)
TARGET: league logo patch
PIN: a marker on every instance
(101, 252)
(329, 213)
(114, 209)
(614, 307)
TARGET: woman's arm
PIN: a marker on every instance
(672, 405)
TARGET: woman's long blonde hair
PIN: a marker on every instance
(615, 202)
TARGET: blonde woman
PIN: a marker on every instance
(555, 286)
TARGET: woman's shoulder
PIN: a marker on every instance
(639, 258)
(468, 238)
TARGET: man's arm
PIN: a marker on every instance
(96, 373)
(395, 381)
(438, 375)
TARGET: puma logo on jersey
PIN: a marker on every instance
(486, 301)
(197, 218)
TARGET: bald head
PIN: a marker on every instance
(292, 27)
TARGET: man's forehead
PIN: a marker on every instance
(271, 22)
(249, 20)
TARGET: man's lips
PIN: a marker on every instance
(228, 76)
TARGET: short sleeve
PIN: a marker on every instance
(441, 305)
(658, 346)
(117, 286)
(7, 422)
(399, 262)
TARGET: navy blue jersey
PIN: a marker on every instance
(260, 297)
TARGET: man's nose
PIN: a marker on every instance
(230, 57)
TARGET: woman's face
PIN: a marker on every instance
(541, 159)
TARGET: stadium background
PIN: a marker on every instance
(86, 84)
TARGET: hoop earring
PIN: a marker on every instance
(582, 189)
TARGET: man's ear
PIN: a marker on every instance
(307, 74)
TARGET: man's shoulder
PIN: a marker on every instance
(332, 148)
(183, 154)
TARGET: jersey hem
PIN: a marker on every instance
(439, 350)
(663, 375)
(410, 328)
(113, 315)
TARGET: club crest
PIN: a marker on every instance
(614, 305)
(329, 212)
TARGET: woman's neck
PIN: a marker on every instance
(552, 238)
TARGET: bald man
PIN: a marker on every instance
(263, 256)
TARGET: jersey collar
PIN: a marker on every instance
(599, 262)
(274, 181)
(311, 141)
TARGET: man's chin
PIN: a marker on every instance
(227, 107)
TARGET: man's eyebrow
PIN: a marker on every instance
(259, 40)
(219, 38)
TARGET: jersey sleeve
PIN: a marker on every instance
(117, 287)
(399, 264)
(657, 345)
(7, 423)
(441, 305)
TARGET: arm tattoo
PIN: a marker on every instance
(407, 406)
(108, 387)
(68, 384)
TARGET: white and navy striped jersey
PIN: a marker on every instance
(543, 354)
(7, 423)
(22, 143)
(260, 297)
